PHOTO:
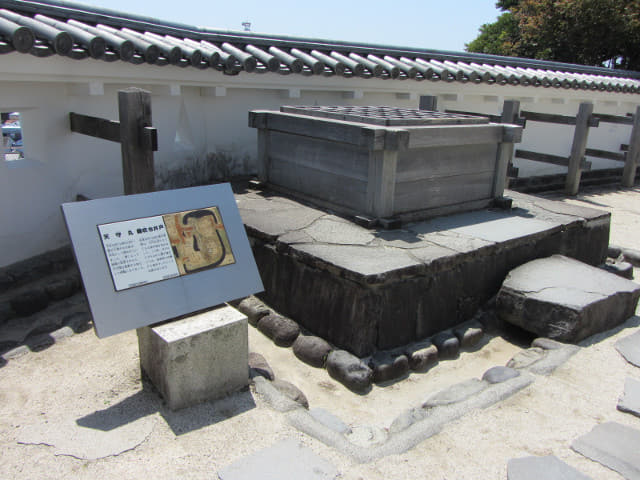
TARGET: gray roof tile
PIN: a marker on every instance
(48, 27)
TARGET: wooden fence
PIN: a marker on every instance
(583, 121)
(138, 139)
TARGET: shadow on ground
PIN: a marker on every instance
(632, 322)
(40, 336)
(148, 401)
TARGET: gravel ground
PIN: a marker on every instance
(79, 408)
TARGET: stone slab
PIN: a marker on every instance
(198, 358)
(364, 289)
(564, 299)
(615, 446)
(629, 348)
(537, 468)
(286, 459)
(492, 225)
(68, 437)
(630, 401)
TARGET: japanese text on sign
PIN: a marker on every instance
(151, 249)
(138, 252)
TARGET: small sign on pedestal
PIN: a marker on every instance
(157, 256)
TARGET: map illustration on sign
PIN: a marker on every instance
(198, 239)
(151, 249)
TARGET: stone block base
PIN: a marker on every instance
(564, 299)
(198, 358)
(364, 289)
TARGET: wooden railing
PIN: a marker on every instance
(583, 121)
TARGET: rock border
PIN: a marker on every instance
(409, 429)
(366, 443)
(359, 374)
(623, 254)
(79, 321)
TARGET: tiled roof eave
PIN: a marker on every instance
(45, 28)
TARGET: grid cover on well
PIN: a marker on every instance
(383, 115)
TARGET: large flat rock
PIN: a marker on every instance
(629, 348)
(538, 468)
(286, 459)
(630, 401)
(564, 299)
(99, 435)
(615, 446)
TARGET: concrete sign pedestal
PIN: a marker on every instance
(198, 358)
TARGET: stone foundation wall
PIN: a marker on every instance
(363, 317)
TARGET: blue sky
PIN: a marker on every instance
(431, 24)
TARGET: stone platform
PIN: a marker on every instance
(365, 289)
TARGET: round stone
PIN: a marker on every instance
(447, 344)
(387, 366)
(469, 335)
(312, 350)
(422, 355)
(349, 370)
(30, 302)
(258, 366)
(500, 374)
(291, 391)
(283, 331)
(254, 309)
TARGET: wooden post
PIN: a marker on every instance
(382, 181)
(428, 102)
(578, 148)
(510, 112)
(258, 120)
(633, 155)
(503, 158)
(137, 145)
(510, 115)
(263, 155)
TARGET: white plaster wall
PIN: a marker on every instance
(57, 166)
(60, 164)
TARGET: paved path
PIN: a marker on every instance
(79, 410)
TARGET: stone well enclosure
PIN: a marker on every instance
(384, 161)
(430, 179)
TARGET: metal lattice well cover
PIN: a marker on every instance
(387, 116)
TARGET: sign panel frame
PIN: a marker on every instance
(115, 311)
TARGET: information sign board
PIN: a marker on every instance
(155, 256)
